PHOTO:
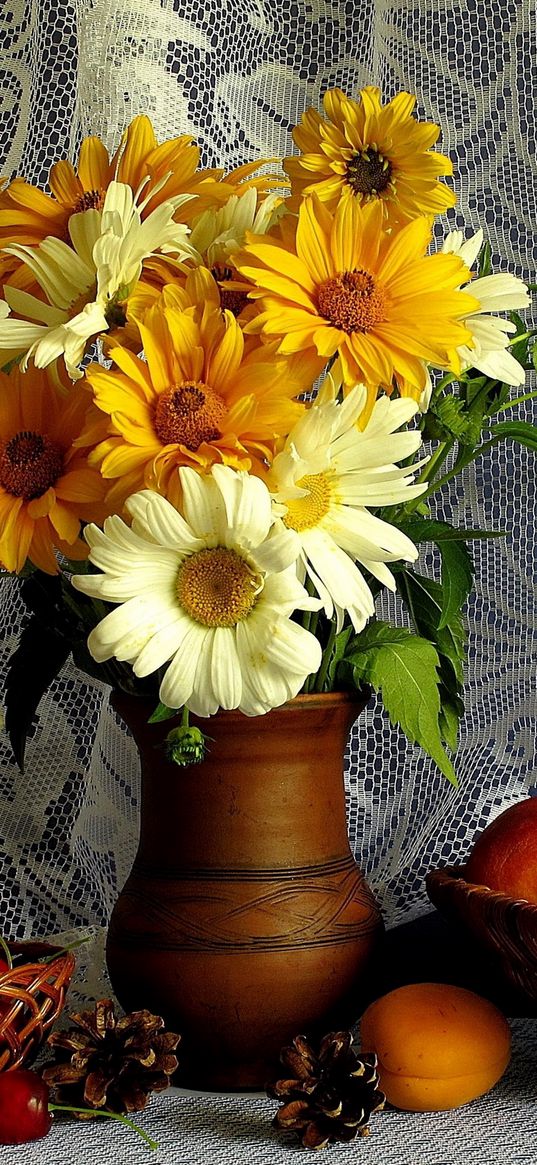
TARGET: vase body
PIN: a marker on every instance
(245, 919)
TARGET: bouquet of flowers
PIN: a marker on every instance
(226, 403)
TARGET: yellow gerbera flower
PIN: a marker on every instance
(198, 398)
(348, 287)
(366, 151)
(46, 485)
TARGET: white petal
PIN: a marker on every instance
(162, 645)
(338, 572)
(160, 520)
(247, 502)
(454, 243)
(176, 687)
(225, 668)
(203, 507)
(500, 292)
(279, 551)
(84, 230)
(28, 305)
(499, 365)
(203, 701)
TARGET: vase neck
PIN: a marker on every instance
(270, 793)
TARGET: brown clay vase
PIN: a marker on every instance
(245, 920)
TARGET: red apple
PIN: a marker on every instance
(504, 857)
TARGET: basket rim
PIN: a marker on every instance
(454, 876)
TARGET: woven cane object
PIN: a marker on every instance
(32, 995)
(505, 928)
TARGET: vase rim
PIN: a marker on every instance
(335, 699)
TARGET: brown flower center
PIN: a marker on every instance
(369, 172)
(217, 587)
(352, 301)
(90, 200)
(230, 299)
(189, 414)
(29, 464)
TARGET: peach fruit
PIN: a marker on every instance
(438, 1046)
(504, 857)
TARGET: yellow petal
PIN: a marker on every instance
(64, 183)
(138, 141)
(94, 168)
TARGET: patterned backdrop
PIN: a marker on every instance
(237, 74)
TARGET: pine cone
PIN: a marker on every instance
(110, 1063)
(330, 1093)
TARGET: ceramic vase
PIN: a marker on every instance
(245, 919)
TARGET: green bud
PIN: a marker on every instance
(186, 745)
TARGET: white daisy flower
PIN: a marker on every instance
(490, 333)
(208, 593)
(88, 283)
(327, 475)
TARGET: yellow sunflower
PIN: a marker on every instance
(199, 397)
(365, 151)
(347, 287)
(46, 485)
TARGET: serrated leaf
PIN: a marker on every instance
(404, 668)
(457, 579)
(162, 712)
(448, 722)
(424, 599)
(522, 431)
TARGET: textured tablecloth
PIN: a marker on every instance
(194, 1129)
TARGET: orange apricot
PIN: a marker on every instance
(438, 1046)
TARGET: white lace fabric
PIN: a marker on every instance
(237, 74)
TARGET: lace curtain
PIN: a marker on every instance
(237, 74)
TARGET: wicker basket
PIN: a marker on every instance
(503, 927)
(32, 995)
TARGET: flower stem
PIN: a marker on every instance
(325, 661)
(435, 460)
(117, 1116)
(7, 952)
(519, 400)
(63, 950)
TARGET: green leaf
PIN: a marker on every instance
(484, 260)
(404, 668)
(450, 714)
(338, 651)
(424, 599)
(457, 579)
(432, 530)
(522, 431)
(162, 712)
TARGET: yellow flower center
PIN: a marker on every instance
(189, 414)
(352, 301)
(217, 587)
(29, 464)
(305, 513)
(369, 172)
